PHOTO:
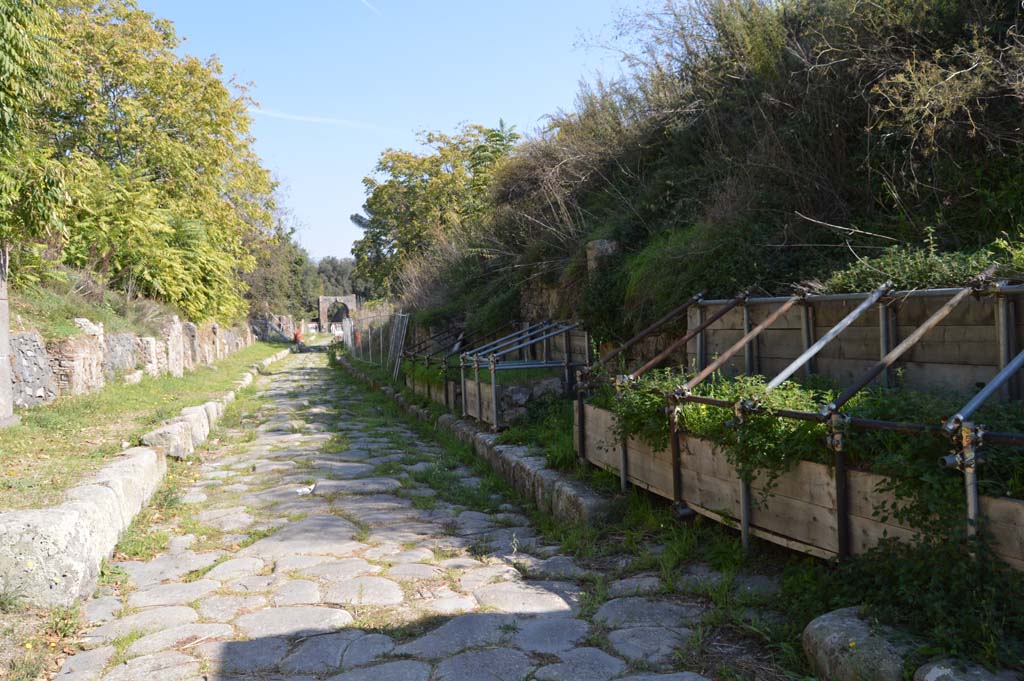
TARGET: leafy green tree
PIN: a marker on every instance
(167, 192)
(417, 198)
(31, 189)
(336, 275)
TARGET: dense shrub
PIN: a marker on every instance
(758, 143)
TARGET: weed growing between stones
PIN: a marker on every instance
(11, 600)
(642, 525)
(121, 645)
(547, 428)
(27, 668)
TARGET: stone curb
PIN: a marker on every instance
(179, 437)
(52, 556)
(565, 499)
(843, 646)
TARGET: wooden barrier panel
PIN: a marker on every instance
(958, 354)
(798, 510)
(485, 401)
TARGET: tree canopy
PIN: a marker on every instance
(749, 143)
(124, 157)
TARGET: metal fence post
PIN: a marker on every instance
(494, 393)
(1006, 336)
(581, 414)
(749, 350)
(886, 335)
(807, 332)
(702, 341)
(745, 513)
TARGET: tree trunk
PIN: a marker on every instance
(7, 417)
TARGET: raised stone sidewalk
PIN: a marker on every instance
(52, 556)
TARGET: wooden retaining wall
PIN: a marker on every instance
(435, 393)
(959, 354)
(799, 513)
(485, 401)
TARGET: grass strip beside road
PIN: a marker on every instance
(57, 445)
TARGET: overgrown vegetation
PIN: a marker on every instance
(57, 444)
(547, 426)
(122, 157)
(751, 143)
(901, 583)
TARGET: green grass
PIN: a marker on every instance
(548, 425)
(121, 645)
(64, 622)
(51, 308)
(10, 600)
(28, 668)
(141, 541)
(57, 445)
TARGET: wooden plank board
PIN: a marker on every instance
(768, 536)
(1008, 540)
(649, 470)
(865, 533)
(712, 493)
(793, 510)
(486, 401)
(800, 511)
(971, 312)
(954, 377)
(943, 345)
(805, 522)
(829, 313)
(1003, 510)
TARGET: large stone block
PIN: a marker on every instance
(161, 357)
(173, 342)
(214, 410)
(147, 355)
(198, 423)
(173, 439)
(190, 341)
(52, 556)
(843, 646)
(77, 363)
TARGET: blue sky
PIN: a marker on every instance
(339, 81)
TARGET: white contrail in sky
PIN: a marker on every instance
(367, 5)
(319, 120)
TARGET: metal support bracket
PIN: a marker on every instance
(837, 425)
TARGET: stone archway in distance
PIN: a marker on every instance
(335, 309)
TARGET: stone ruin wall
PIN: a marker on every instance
(42, 371)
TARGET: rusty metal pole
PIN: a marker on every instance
(904, 346)
(494, 393)
(677, 457)
(581, 414)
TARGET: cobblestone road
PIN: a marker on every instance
(365, 575)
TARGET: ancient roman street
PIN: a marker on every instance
(324, 553)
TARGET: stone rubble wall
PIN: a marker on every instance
(52, 556)
(42, 371)
(34, 383)
(121, 356)
(190, 345)
(77, 363)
